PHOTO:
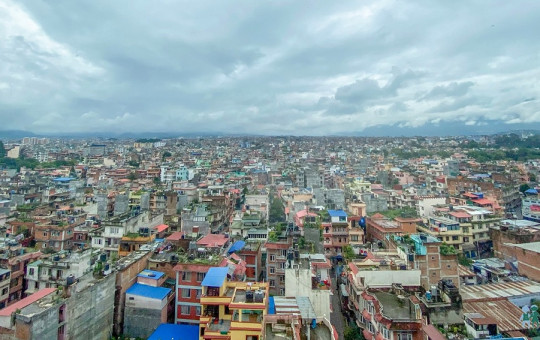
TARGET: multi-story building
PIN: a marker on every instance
(466, 228)
(232, 310)
(53, 270)
(335, 233)
(148, 304)
(190, 272)
(5, 279)
(276, 262)
(17, 265)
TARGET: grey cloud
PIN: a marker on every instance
(264, 67)
(454, 89)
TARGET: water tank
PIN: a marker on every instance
(249, 296)
(103, 257)
(70, 280)
(259, 296)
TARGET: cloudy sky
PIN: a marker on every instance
(269, 67)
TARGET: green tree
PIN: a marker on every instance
(353, 333)
(132, 176)
(166, 154)
(2, 150)
(524, 187)
(348, 252)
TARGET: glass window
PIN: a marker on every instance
(186, 293)
(184, 310)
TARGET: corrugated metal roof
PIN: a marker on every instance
(215, 277)
(499, 290)
(148, 291)
(504, 312)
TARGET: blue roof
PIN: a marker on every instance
(168, 331)
(63, 179)
(148, 291)
(531, 191)
(215, 277)
(236, 246)
(271, 305)
(151, 274)
(337, 213)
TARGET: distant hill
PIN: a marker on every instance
(16, 134)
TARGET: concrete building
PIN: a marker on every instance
(148, 304)
(52, 271)
(82, 310)
(127, 270)
(234, 310)
(335, 233)
(5, 278)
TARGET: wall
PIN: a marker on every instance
(385, 278)
(90, 311)
(298, 283)
(125, 278)
(141, 322)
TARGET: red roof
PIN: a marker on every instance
(468, 194)
(378, 216)
(177, 235)
(432, 332)
(459, 214)
(272, 245)
(353, 268)
(213, 240)
(26, 301)
(482, 201)
(162, 227)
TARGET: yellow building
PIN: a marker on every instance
(231, 310)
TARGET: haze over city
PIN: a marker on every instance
(269, 68)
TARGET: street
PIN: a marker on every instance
(336, 318)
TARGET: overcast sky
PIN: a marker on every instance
(268, 67)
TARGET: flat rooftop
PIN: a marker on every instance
(395, 307)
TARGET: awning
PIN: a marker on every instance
(238, 245)
(215, 277)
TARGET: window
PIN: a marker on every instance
(30, 271)
(282, 291)
(184, 310)
(131, 298)
(281, 278)
(186, 293)
(186, 276)
(4, 291)
(199, 291)
(385, 332)
(44, 234)
(272, 270)
(198, 310)
(200, 277)
(272, 258)
(44, 245)
(272, 283)
(404, 336)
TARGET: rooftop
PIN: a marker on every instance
(213, 240)
(395, 307)
(215, 277)
(167, 331)
(148, 291)
(40, 294)
(151, 274)
(532, 246)
(495, 291)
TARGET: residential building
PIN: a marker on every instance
(148, 304)
(234, 310)
(335, 233)
(5, 279)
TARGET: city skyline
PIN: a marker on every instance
(354, 68)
